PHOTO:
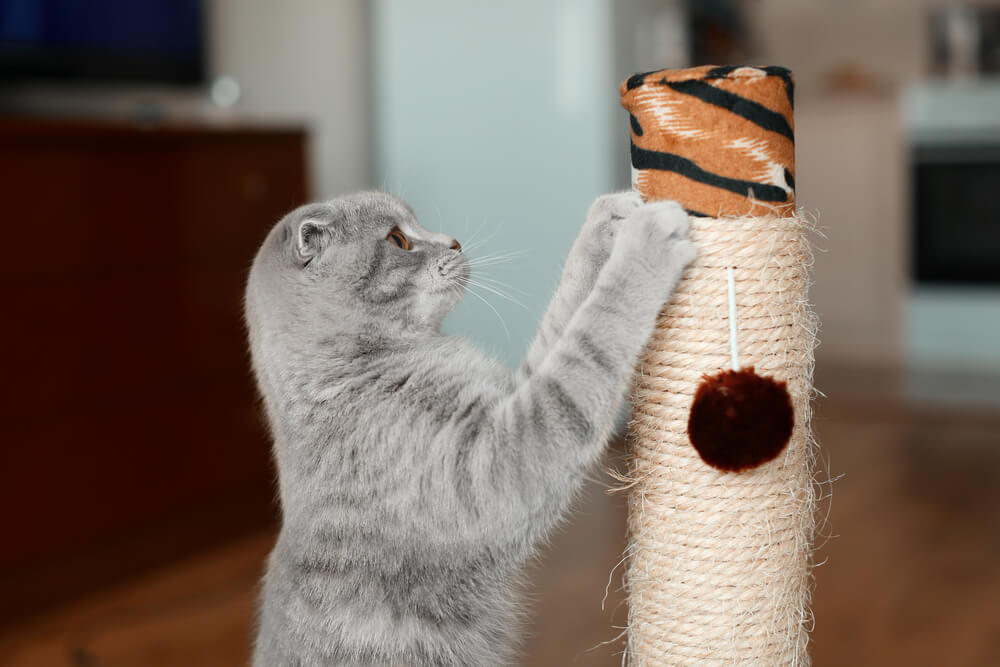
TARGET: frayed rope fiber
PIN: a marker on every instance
(718, 562)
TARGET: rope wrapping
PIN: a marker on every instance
(718, 563)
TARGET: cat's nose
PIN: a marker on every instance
(455, 245)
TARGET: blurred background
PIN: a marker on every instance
(147, 147)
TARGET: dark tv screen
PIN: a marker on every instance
(957, 209)
(135, 41)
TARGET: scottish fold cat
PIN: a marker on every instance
(416, 475)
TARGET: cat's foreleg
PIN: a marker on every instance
(562, 413)
(588, 255)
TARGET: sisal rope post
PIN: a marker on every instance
(718, 562)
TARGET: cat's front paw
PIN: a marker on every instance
(614, 207)
(655, 239)
(606, 216)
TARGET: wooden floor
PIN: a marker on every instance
(910, 573)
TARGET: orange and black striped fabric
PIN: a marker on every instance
(720, 140)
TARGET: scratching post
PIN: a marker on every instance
(718, 559)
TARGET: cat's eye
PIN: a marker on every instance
(399, 238)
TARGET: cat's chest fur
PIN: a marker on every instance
(422, 385)
(349, 412)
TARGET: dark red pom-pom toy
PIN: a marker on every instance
(740, 420)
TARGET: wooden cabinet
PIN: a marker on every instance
(127, 396)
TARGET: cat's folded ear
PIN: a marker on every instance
(310, 230)
(311, 238)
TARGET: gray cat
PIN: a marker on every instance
(416, 475)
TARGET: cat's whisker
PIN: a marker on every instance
(491, 262)
(497, 285)
(472, 245)
(470, 284)
(505, 253)
(495, 311)
(468, 250)
(495, 259)
(500, 294)
(479, 277)
(500, 283)
(440, 218)
(474, 242)
(474, 234)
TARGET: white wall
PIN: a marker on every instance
(303, 60)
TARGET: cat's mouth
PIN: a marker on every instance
(454, 270)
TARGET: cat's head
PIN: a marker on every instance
(363, 256)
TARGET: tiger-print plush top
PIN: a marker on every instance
(720, 140)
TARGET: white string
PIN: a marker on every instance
(733, 350)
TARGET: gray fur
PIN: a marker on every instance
(416, 476)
